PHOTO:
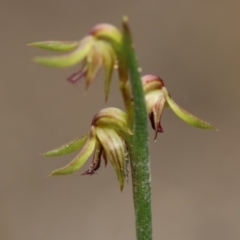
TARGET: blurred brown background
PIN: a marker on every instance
(194, 46)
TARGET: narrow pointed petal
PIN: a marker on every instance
(109, 62)
(157, 113)
(186, 116)
(96, 160)
(104, 156)
(94, 64)
(67, 148)
(109, 58)
(70, 59)
(108, 77)
(80, 159)
(56, 46)
(114, 148)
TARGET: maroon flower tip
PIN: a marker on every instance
(159, 127)
(89, 172)
(96, 162)
(99, 27)
(152, 78)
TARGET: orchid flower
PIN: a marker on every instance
(94, 51)
(107, 139)
(157, 97)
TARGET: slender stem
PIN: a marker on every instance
(124, 85)
(139, 153)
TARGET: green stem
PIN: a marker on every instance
(139, 153)
(124, 85)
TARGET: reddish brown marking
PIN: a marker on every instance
(96, 163)
(159, 127)
(77, 76)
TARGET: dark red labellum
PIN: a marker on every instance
(159, 127)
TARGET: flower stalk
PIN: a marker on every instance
(124, 85)
(139, 152)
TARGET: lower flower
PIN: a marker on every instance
(107, 140)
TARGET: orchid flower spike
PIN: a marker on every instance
(94, 51)
(157, 97)
(107, 139)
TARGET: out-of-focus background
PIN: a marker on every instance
(194, 47)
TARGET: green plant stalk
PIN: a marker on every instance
(139, 153)
(124, 84)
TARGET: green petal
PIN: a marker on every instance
(70, 59)
(109, 62)
(186, 116)
(80, 159)
(107, 53)
(68, 147)
(56, 46)
(96, 161)
(114, 148)
(104, 156)
(94, 63)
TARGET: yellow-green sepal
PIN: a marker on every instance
(186, 116)
(70, 59)
(80, 159)
(68, 147)
(56, 46)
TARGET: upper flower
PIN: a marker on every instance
(108, 139)
(96, 50)
(157, 97)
